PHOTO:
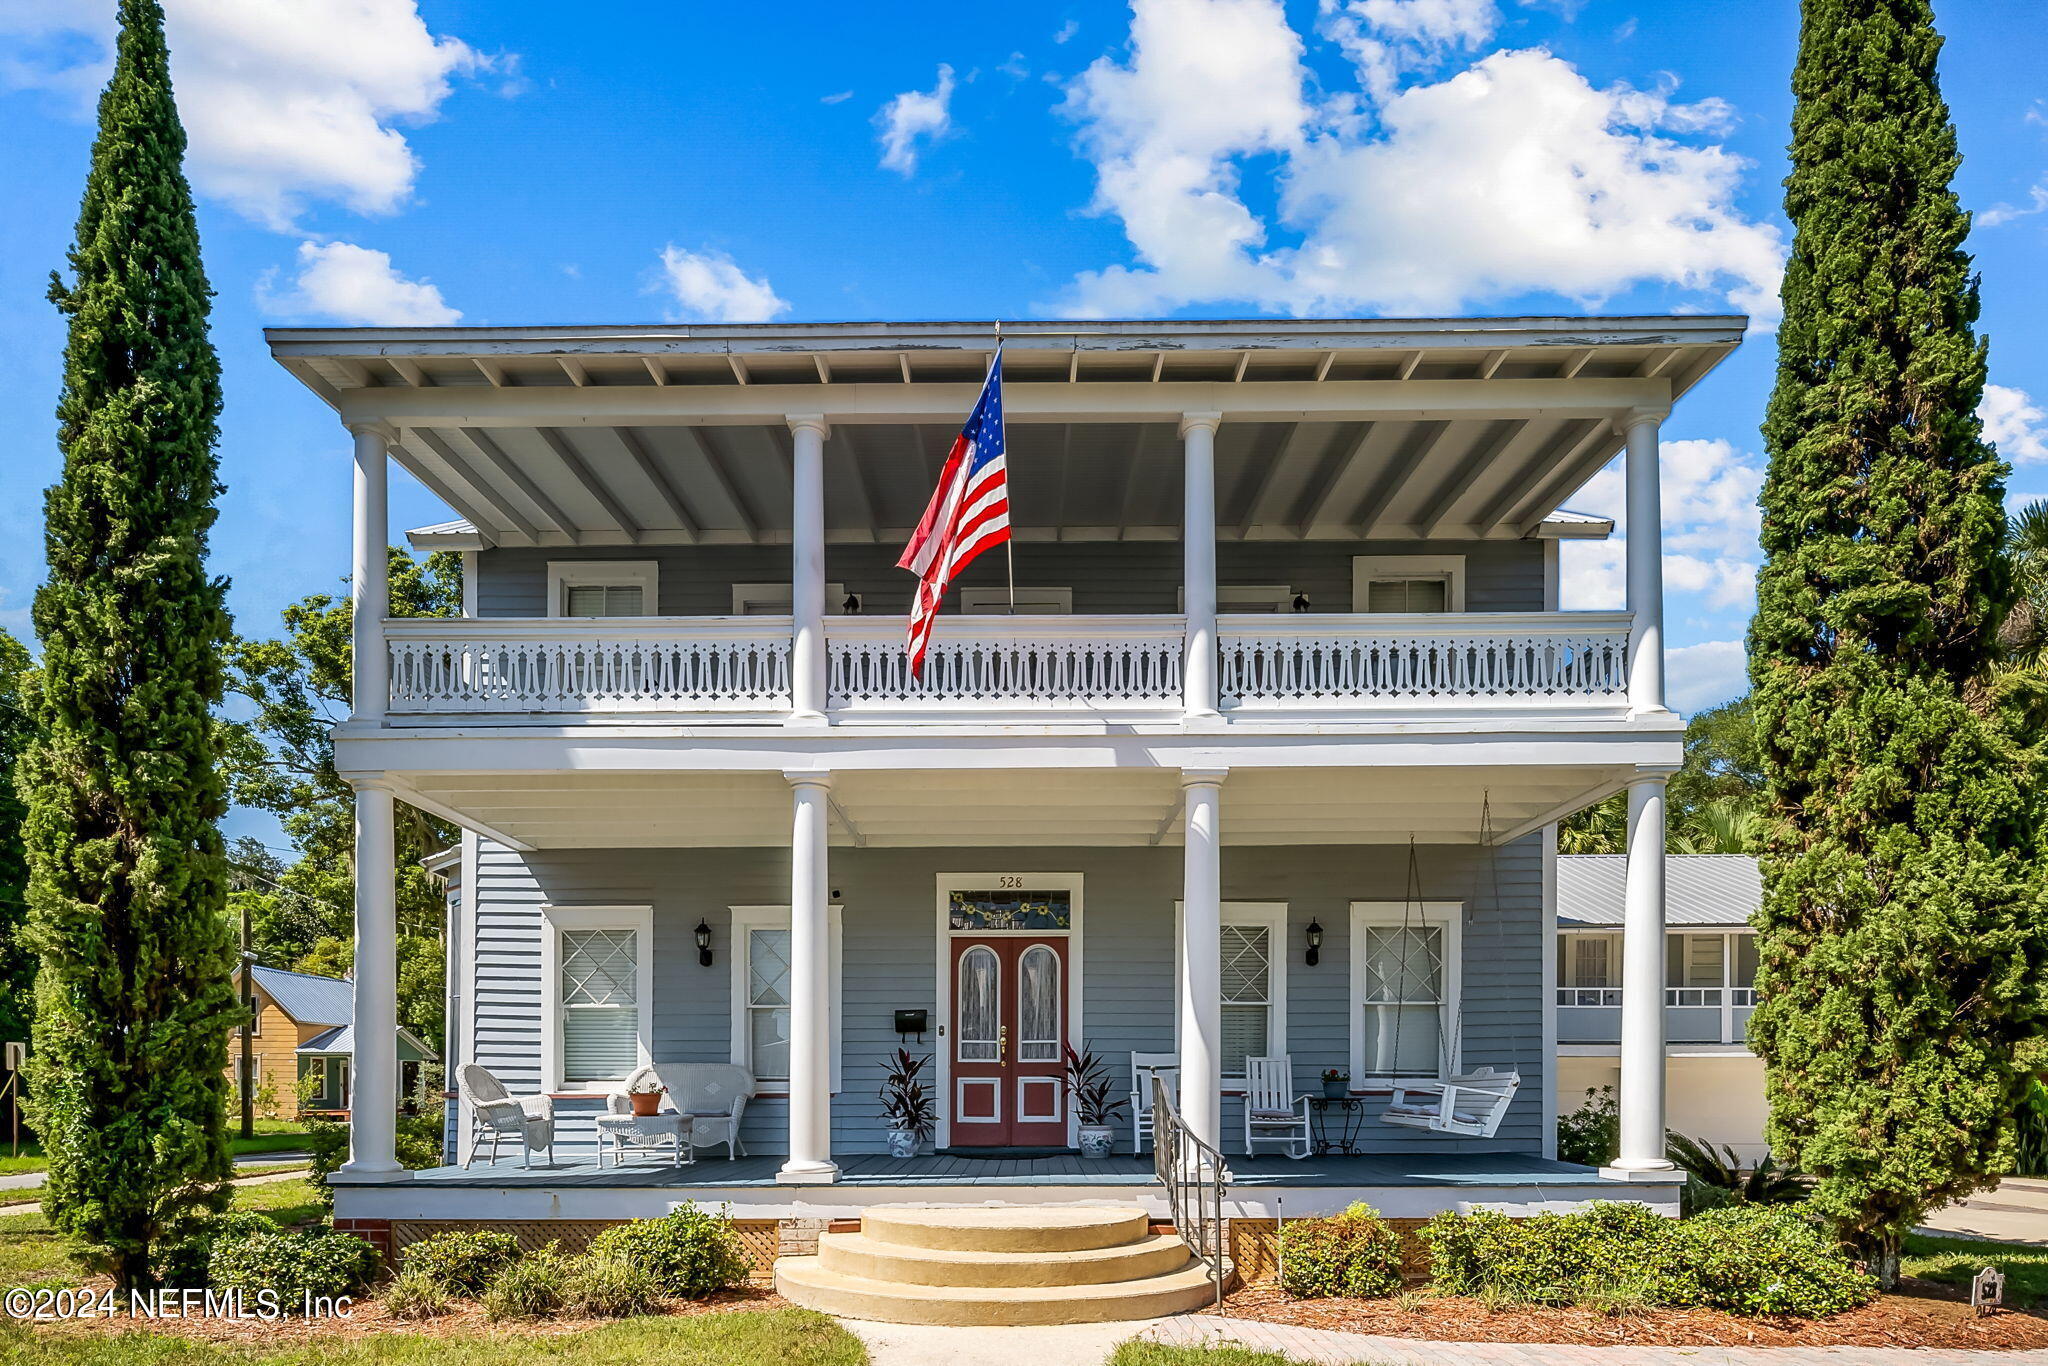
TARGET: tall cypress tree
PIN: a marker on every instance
(134, 998)
(1903, 956)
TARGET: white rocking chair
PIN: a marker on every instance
(1471, 1104)
(1272, 1112)
(1144, 1067)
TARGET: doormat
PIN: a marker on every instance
(1011, 1154)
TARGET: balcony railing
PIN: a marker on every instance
(1117, 666)
(1506, 658)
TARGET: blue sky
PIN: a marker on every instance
(509, 162)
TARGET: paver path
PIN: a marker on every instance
(1322, 1346)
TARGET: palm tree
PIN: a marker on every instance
(2024, 634)
(1726, 825)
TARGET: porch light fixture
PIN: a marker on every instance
(1315, 942)
(703, 944)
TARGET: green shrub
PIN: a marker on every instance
(607, 1288)
(690, 1252)
(1747, 1259)
(184, 1263)
(415, 1295)
(1591, 1134)
(292, 1266)
(530, 1288)
(419, 1139)
(1355, 1254)
(461, 1262)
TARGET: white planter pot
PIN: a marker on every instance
(902, 1143)
(1097, 1140)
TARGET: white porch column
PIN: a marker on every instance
(1201, 969)
(810, 987)
(1641, 1101)
(1645, 563)
(807, 570)
(373, 1111)
(1198, 549)
(370, 573)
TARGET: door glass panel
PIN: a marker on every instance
(1038, 1008)
(1006, 910)
(978, 1011)
(1745, 960)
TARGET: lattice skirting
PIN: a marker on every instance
(760, 1239)
(1255, 1249)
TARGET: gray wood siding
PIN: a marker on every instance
(1137, 576)
(890, 949)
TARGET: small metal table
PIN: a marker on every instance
(1333, 1124)
(652, 1133)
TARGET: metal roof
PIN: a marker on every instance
(1718, 890)
(340, 1042)
(308, 999)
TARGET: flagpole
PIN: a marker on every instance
(1010, 541)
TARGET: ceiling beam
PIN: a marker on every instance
(1303, 400)
(495, 454)
(502, 510)
(1562, 447)
(1255, 506)
(853, 831)
(1127, 501)
(1490, 448)
(671, 497)
(1406, 462)
(573, 368)
(698, 442)
(1586, 460)
(656, 371)
(409, 371)
(581, 472)
(490, 370)
(445, 489)
(1346, 486)
(1575, 363)
(857, 476)
(1490, 363)
(739, 368)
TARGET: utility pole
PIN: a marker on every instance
(248, 1029)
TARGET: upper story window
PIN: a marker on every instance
(1699, 968)
(1408, 583)
(603, 588)
(1589, 969)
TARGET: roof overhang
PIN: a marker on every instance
(1332, 429)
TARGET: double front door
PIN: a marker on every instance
(1009, 1041)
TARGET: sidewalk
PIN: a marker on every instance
(2017, 1212)
(17, 1192)
(1338, 1349)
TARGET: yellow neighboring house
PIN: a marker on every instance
(303, 1030)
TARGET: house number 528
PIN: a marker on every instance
(1010, 881)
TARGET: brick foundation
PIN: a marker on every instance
(375, 1232)
(799, 1237)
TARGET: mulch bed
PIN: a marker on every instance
(368, 1319)
(1921, 1315)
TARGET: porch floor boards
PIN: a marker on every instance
(877, 1170)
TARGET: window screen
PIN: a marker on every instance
(602, 600)
(1247, 995)
(1431, 594)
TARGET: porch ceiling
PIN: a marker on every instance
(1008, 808)
(1339, 430)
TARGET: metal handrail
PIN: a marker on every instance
(1192, 1174)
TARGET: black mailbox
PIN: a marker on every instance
(910, 1021)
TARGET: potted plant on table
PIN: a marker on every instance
(1336, 1083)
(646, 1095)
(907, 1108)
(1095, 1102)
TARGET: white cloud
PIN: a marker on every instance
(283, 104)
(711, 288)
(2037, 200)
(1705, 675)
(914, 116)
(1710, 521)
(840, 97)
(1067, 31)
(2015, 424)
(345, 283)
(1515, 175)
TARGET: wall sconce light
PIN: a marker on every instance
(703, 944)
(1301, 602)
(1315, 942)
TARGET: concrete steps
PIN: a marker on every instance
(999, 1267)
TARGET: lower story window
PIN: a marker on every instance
(761, 992)
(1252, 963)
(598, 991)
(1404, 989)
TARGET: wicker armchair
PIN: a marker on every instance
(496, 1112)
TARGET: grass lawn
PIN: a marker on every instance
(1136, 1353)
(33, 1253)
(1953, 1261)
(272, 1136)
(780, 1337)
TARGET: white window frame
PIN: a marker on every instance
(554, 920)
(1272, 917)
(745, 920)
(1575, 994)
(1447, 916)
(780, 596)
(995, 602)
(644, 575)
(1245, 597)
(1367, 568)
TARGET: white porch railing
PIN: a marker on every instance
(1488, 659)
(696, 664)
(1062, 664)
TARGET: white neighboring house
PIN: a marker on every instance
(1287, 608)
(1714, 1084)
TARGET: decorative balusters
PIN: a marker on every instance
(1338, 662)
(567, 669)
(1069, 664)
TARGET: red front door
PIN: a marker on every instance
(1009, 1041)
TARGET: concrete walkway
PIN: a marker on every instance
(1339, 1349)
(2017, 1212)
(1075, 1344)
(23, 1201)
(28, 1181)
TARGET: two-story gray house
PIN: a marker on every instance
(1260, 763)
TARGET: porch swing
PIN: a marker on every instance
(1465, 1104)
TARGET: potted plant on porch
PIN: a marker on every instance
(907, 1107)
(645, 1095)
(1095, 1102)
(1336, 1083)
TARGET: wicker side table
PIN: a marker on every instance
(645, 1133)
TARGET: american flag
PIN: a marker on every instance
(969, 511)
